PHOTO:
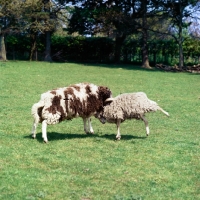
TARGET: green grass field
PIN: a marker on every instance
(77, 166)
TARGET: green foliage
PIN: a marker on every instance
(83, 48)
(63, 48)
(74, 165)
(18, 47)
(82, 21)
(13, 40)
(101, 49)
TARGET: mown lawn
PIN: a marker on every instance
(77, 166)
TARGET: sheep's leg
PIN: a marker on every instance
(146, 124)
(90, 125)
(118, 136)
(44, 131)
(33, 132)
(85, 125)
(34, 127)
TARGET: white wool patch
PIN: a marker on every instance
(69, 96)
(49, 117)
(47, 98)
(60, 92)
(62, 103)
(94, 89)
(80, 94)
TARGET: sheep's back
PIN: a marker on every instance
(129, 105)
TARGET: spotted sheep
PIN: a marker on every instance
(79, 100)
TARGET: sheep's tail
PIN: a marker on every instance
(36, 108)
(166, 113)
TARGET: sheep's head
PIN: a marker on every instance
(104, 93)
(100, 117)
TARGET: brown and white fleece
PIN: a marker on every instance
(79, 100)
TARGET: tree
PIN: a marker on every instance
(177, 11)
(9, 17)
(145, 55)
(53, 13)
(37, 16)
(33, 23)
(41, 17)
(2, 49)
(49, 28)
(116, 19)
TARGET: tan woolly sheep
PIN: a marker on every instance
(128, 106)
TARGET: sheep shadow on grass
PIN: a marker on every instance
(60, 136)
(67, 136)
(123, 137)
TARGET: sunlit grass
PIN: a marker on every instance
(77, 166)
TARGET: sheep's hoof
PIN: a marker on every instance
(33, 136)
(147, 135)
(118, 138)
(89, 133)
(45, 141)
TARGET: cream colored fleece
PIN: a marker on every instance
(128, 106)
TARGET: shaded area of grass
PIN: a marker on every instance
(74, 165)
(63, 136)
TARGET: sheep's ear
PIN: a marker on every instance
(109, 100)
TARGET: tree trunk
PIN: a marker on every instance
(180, 39)
(145, 56)
(48, 47)
(2, 49)
(13, 48)
(33, 46)
(47, 57)
(181, 57)
(154, 58)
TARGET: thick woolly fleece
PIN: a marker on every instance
(79, 100)
(128, 106)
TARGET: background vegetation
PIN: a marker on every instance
(77, 166)
(101, 50)
(138, 31)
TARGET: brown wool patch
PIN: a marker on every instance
(69, 102)
(88, 89)
(93, 104)
(53, 92)
(76, 87)
(103, 94)
(39, 111)
(76, 106)
(56, 107)
(68, 91)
